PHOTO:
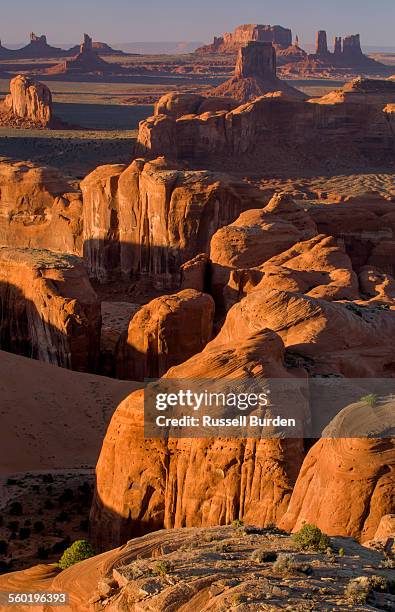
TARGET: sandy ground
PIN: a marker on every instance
(53, 418)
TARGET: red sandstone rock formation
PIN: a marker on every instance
(315, 329)
(29, 103)
(252, 239)
(49, 309)
(150, 218)
(37, 48)
(362, 91)
(243, 34)
(321, 44)
(147, 484)
(366, 226)
(345, 486)
(347, 55)
(277, 134)
(39, 209)
(255, 75)
(164, 333)
(87, 61)
(177, 105)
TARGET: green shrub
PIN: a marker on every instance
(371, 399)
(237, 523)
(264, 556)
(162, 568)
(342, 552)
(310, 537)
(286, 565)
(360, 589)
(78, 551)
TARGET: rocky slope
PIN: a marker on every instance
(213, 569)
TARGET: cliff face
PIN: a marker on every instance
(49, 310)
(148, 484)
(39, 209)
(274, 133)
(151, 217)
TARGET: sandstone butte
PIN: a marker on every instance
(85, 61)
(277, 134)
(346, 55)
(254, 286)
(29, 104)
(256, 75)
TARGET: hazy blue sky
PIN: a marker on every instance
(149, 20)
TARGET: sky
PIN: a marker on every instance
(197, 20)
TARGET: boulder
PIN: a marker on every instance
(49, 309)
(164, 333)
(179, 104)
(318, 267)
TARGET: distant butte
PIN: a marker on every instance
(87, 61)
(255, 75)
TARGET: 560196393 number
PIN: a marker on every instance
(31, 598)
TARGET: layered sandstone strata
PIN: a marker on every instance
(274, 133)
(254, 238)
(49, 310)
(164, 333)
(151, 217)
(39, 209)
(331, 337)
